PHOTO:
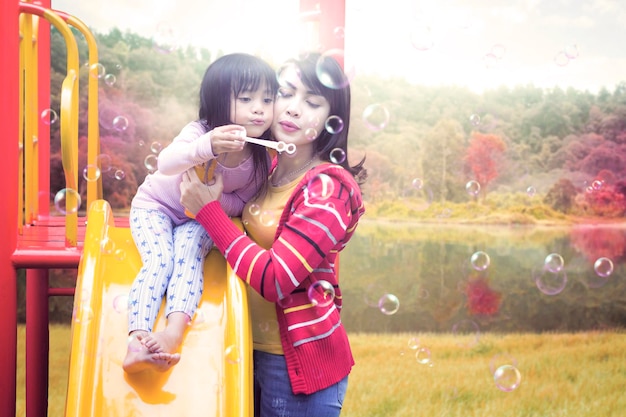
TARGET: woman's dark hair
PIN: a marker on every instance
(323, 75)
(227, 77)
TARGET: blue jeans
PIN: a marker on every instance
(273, 396)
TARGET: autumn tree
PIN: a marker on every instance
(483, 158)
(561, 196)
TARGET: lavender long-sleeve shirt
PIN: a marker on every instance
(192, 146)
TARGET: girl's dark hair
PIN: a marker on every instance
(227, 77)
(323, 75)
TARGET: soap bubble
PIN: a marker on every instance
(337, 156)
(339, 32)
(254, 209)
(120, 123)
(119, 174)
(388, 304)
(49, 117)
(269, 218)
(320, 187)
(310, 133)
(472, 188)
(325, 77)
(334, 124)
(321, 293)
(151, 162)
(232, 355)
(571, 51)
(480, 261)
(91, 173)
(82, 315)
(423, 356)
(120, 303)
(554, 262)
(109, 79)
(156, 147)
(603, 267)
(67, 201)
(97, 70)
(376, 116)
(507, 378)
(413, 343)
(550, 283)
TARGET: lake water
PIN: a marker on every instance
(456, 278)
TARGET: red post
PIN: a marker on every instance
(9, 106)
(43, 69)
(37, 333)
(37, 342)
(331, 18)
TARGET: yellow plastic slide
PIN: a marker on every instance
(214, 375)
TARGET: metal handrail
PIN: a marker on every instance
(68, 118)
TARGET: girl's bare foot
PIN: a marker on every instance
(162, 342)
(140, 358)
(158, 351)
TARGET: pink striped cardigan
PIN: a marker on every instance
(318, 221)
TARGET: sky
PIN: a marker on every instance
(479, 44)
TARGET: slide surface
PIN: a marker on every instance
(214, 375)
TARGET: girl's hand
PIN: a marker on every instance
(194, 194)
(228, 138)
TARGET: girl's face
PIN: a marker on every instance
(253, 110)
(300, 114)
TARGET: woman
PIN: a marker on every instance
(301, 370)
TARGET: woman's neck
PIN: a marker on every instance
(290, 167)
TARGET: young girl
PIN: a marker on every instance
(237, 93)
(301, 370)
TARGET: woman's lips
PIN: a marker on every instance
(288, 126)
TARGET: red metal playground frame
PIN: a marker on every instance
(46, 248)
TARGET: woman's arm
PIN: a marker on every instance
(307, 236)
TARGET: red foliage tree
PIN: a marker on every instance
(483, 158)
(605, 201)
(481, 298)
(595, 242)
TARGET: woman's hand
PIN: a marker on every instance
(194, 194)
(228, 138)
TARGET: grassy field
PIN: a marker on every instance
(574, 375)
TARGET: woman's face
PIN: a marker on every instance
(299, 113)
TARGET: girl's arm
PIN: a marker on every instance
(194, 146)
(191, 147)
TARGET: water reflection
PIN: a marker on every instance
(501, 278)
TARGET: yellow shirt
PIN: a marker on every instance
(260, 219)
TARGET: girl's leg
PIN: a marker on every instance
(152, 233)
(192, 244)
(273, 395)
